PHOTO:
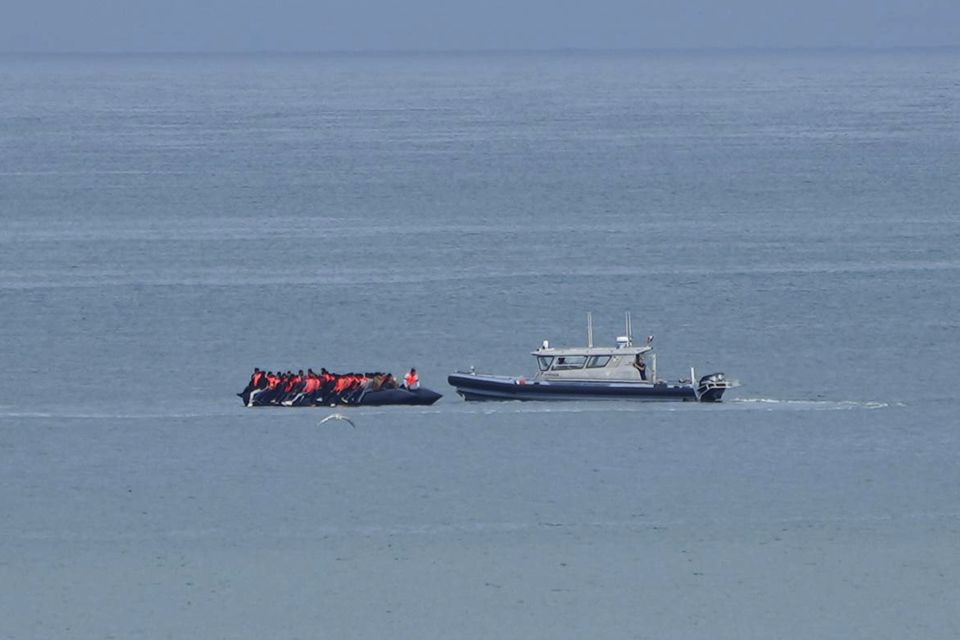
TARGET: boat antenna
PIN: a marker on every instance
(629, 328)
(589, 330)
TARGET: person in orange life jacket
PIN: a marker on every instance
(341, 386)
(412, 380)
(254, 384)
(310, 382)
(274, 384)
(288, 387)
(359, 380)
(319, 389)
(299, 381)
(309, 389)
(281, 384)
(327, 383)
(358, 388)
(354, 381)
(267, 390)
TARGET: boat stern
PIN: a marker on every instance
(710, 388)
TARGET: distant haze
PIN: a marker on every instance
(309, 25)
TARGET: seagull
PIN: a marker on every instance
(337, 416)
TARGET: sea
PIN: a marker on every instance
(168, 222)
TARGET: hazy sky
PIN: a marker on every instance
(318, 25)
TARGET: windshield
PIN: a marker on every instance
(596, 362)
(569, 362)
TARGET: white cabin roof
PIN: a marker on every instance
(591, 351)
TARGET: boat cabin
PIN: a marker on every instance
(594, 363)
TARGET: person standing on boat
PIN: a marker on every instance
(412, 380)
(640, 366)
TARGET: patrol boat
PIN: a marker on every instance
(593, 373)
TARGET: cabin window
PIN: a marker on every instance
(569, 362)
(544, 362)
(595, 362)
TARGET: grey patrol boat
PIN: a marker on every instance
(620, 372)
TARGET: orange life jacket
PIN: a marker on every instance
(412, 380)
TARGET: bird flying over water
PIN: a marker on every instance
(337, 416)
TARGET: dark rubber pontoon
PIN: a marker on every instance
(474, 386)
(421, 396)
(384, 397)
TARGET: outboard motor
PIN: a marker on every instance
(710, 388)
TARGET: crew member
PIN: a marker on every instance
(640, 366)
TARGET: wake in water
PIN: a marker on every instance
(486, 409)
(740, 404)
(96, 415)
(827, 405)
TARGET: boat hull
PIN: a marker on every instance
(381, 398)
(483, 387)
(421, 396)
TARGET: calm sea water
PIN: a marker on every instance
(169, 222)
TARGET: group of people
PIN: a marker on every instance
(325, 388)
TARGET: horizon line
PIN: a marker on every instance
(488, 51)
